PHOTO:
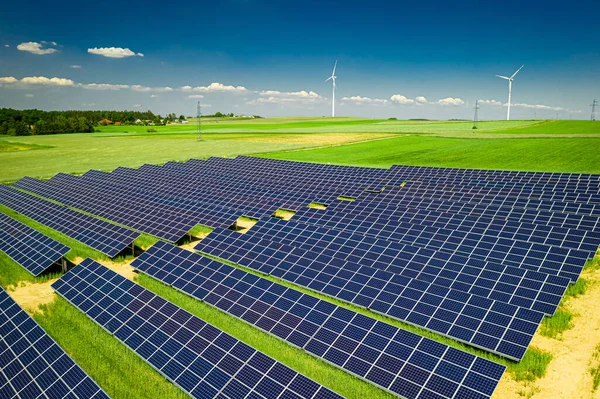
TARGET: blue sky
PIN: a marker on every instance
(395, 59)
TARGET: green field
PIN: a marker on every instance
(567, 146)
(553, 146)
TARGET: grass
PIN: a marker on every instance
(102, 356)
(595, 370)
(561, 321)
(145, 241)
(533, 365)
(15, 146)
(554, 326)
(284, 214)
(317, 205)
(533, 154)
(420, 142)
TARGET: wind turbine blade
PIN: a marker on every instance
(329, 78)
(515, 74)
(503, 77)
(334, 66)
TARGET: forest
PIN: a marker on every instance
(36, 122)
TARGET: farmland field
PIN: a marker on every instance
(552, 146)
(561, 146)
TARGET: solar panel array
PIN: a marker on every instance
(32, 365)
(479, 256)
(202, 360)
(98, 234)
(525, 288)
(31, 249)
(481, 322)
(394, 359)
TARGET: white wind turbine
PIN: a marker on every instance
(510, 89)
(332, 78)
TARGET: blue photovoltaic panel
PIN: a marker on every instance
(394, 359)
(484, 323)
(31, 249)
(32, 365)
(202, 360)
(98, 234)
(525, 288)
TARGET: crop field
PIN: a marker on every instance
(553, 146)
(562, 361)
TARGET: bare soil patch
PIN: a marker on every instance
(568, 374)
(31, 295)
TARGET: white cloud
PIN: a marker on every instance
(421, 100)
(154, 96)
(451, 101)
(103, 86)
(7, 45)
(29, 95)
(365, 100)
(36, 48)
(216, 87)
(291, 94)
(186, 88)
(114, 52)
(76, 66)
(8, 79)
(42, 80)
(537, 106)
(400, 99)
(287, 97)
(195, 96)
(147, 88)
(490, 102)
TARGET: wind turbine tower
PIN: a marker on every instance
(594, 104)
(333, 78)
(510, 89)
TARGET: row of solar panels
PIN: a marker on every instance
(394, 359)
(32, 365)
(514, 250)
(394, 370)
(98, 234)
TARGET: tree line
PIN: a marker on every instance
(33, 121)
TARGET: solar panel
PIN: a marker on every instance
(153, 219)
(98, 234)
(481, 322)
(202, 360)
(33, 250)
(394, 359)
(564, 262)
(32, 364)
(524, 288)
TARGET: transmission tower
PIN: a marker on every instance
(594, 103)
(476, 117)
(199, 122)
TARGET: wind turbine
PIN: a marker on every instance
(510, 89)
(332, 78)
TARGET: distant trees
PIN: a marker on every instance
(219, 115)
(37, 122)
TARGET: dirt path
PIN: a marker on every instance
(30, 296)
(568, 373)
